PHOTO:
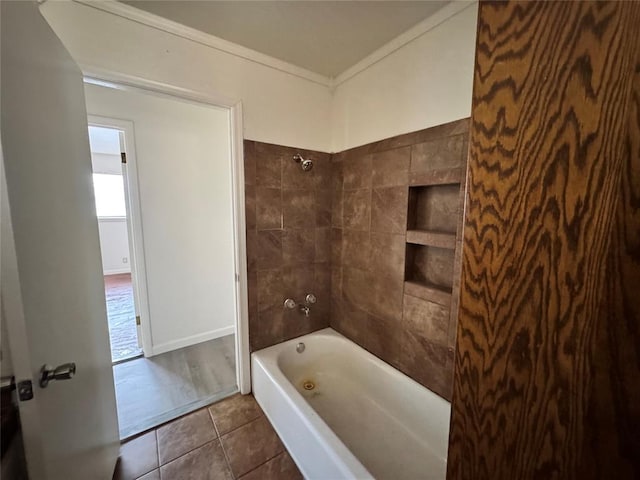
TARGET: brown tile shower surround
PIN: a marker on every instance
(370, 204)
(343, 231)
(288, 215)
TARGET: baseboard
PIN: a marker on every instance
(116, 271)
(192, 340)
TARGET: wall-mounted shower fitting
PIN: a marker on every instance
(310, 299)
(305, 164)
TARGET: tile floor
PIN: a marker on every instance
(121, 315)
(151, 391)
(231, 439)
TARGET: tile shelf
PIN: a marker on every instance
(425, 291)
(432, 221)
(432, 238)
(448, 176)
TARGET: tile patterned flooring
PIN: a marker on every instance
(121, 315)
(231, 439)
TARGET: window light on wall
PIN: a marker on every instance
(109, 193)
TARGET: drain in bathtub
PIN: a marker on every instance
(308, 385)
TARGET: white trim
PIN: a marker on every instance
(192, 340)
(135, 232)
(429, 23)
(127, 82)
(243, 352)
(174, 28)
(122, 81)
(116, 271)
(112, 219)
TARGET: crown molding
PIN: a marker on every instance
(145, 18)
(154, 21)
(429, 23)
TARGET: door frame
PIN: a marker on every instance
(234, 106)
(134, 225)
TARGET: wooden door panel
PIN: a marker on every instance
(549, 127)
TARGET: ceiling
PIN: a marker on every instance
(326, 37)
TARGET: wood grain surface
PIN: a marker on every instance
(613, 419)
(547, 365)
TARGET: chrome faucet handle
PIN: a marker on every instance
(290, 303)
(310, 298)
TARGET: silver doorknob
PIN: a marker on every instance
(66, 371)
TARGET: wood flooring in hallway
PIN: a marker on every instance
(121, 314)
(151, 391)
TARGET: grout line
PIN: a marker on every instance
(155, 433)
(215, 427)
(246, 423)
(224, 452)
(281, 192)
(266, 461)
(187, 453)
(193, 449)
(180, 456)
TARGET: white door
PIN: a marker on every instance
(52, 287)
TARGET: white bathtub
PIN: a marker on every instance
(363, 418)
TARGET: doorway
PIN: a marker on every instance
(110, 184)
(172, 303)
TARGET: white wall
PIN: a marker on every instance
(425, 83)
(114, 237)
(114, 245)
(278, 107)
(184, 175)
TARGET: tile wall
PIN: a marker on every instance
(340, 231)
(288, 215)
(370, 195)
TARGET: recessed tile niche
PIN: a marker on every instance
(432, 224)
(434, 208)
